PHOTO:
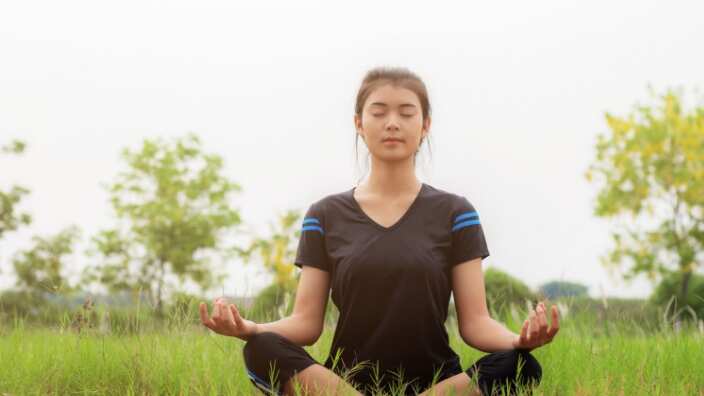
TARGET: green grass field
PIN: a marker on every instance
(586, 358)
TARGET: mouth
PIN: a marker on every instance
(391, 140)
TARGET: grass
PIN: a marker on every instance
(587, 357)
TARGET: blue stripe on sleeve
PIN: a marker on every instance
(312, 228)
(464, 224)
(310, 220)
(467, 215)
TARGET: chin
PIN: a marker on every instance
(395, 157)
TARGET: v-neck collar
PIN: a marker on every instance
(400, 220)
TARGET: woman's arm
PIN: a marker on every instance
(476, 327)
(302, 327)
(484, 333)
(305, 324)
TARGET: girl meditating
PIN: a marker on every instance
(389, 252)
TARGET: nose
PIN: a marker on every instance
(392, 123)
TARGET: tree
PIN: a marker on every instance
(10, 219)
(556, 289)
(40, 269)
(174, 208)
(651, 168)
(278, 251)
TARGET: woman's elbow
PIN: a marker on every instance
(464, 335)
(313, 336)
(470, 329)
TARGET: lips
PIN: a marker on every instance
(392, 140)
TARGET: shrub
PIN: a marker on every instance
(502, 290)
(33, 307)
(557, 289)
(269, 302)
(670, 288)
(628, 315)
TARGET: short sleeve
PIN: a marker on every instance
(468, 241)
(311, 245)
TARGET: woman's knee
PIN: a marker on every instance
(271, 358)
(261, 346)
(528, 366)
(515, 367)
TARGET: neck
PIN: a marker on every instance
(392, 178)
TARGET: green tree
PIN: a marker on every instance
(10, 218)
(173, 205)
(41, 268)
(651, 170)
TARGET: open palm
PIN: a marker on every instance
(535, 331)
(226, 320)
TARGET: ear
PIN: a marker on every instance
(358, 125)
(357, 122)
(426, 126)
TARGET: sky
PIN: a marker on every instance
(519, 92)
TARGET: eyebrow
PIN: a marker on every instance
(385, 105)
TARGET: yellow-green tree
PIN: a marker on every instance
(277, 253)
(650, 167)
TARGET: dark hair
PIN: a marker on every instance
(397, 77)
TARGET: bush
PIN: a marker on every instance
(276, 301)
(502, 290)
(670, 288)
(37, 308)
(269, 303)
(557, 289)
(630, 315)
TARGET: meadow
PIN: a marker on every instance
(606, 352)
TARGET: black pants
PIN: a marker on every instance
(271, 360)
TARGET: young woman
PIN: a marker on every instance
(391, 250)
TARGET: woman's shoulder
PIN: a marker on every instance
(332, 200)
(452, 201)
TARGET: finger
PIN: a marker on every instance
(542, 322)
(227, 313)
(238, 319)
(218, 316)
(555, 326)
(203, 308)
(533, 326)
(524, 332)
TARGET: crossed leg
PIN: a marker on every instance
(302, 375)
(316, 380)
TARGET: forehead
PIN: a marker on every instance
(392, 96)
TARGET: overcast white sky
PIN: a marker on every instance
(519, 91)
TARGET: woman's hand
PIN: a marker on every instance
(535, 332)
(227, 321)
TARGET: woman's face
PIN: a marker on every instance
(392, 123)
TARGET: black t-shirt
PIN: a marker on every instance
(392, 285)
